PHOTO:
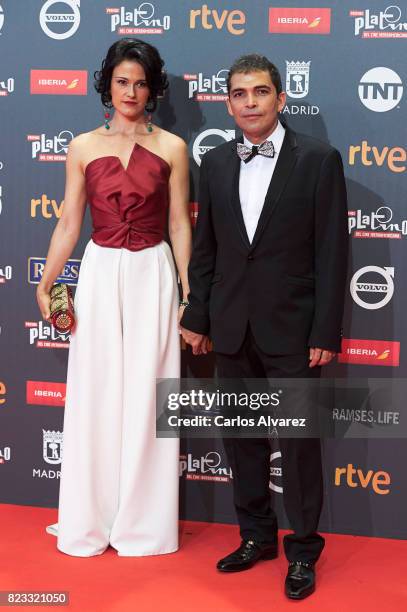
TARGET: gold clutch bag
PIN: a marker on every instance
(62, 308)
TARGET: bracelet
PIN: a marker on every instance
(183, 303)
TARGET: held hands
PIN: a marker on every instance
(199, 343)
(44, 300)
(319, 357)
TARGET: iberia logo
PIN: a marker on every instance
(45, 393)
(370, 352)
(300, 20)
(59, 82)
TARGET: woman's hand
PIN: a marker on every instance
(180, 313)
(44, 300)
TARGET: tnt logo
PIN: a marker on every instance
(380, 89)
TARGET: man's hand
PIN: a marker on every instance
(199, 342)
(319, 357)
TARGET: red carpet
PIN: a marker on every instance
(354, 573)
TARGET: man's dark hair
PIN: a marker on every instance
(255, 63)
(137, 51)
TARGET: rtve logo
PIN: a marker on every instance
(395, 158)
(354, 478)
(233, 20)
(2, 393)
(380, 89)
(47, 207)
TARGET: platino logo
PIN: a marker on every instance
(208, 89)
(5, 454)
(207, 467)
(43, 335)
(140, 20)
(50, 149)
(6, 274)
(378, 224)
(6, 87)
(385, 24)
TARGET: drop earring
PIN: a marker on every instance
(149, 108)
(107, 119)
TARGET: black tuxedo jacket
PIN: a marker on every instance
(289, 283)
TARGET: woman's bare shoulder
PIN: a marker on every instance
(174, 142)
(84, 147)
(85, 141)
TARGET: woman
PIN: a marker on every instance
(119, 484)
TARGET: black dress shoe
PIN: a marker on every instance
(248, 553)
(300, 580)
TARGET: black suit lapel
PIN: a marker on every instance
(232, 174)
(285, 164)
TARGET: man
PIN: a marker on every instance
(267, 284)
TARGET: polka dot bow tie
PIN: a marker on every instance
(247, 153)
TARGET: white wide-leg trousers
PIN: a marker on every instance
(119, 483)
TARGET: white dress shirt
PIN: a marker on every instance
(254, 180)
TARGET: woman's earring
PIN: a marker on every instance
(149, 107)
(107, 119)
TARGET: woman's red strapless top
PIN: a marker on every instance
(128, 205)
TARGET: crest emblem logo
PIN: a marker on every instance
(297, 79)
(52, 446)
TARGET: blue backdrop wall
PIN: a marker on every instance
(343, 67)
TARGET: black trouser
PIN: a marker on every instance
(250, 462)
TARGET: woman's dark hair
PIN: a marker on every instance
(137, 51)
(255, 63)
